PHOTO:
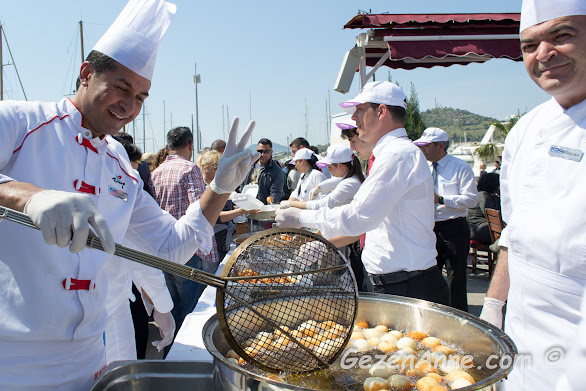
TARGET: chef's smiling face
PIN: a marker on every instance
(554, 53)
(110, 99)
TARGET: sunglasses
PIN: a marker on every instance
(264, 151)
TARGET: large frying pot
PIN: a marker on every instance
(457, 328)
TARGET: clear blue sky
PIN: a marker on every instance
(278, 53)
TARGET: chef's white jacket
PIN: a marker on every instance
(543, 188)
(394, 206)
(41, 143)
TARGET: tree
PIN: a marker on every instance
(414, 123)
(488, 152)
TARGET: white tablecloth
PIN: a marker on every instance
(188, 344)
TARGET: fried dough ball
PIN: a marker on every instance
(375, 384)
(278, 378)
(389, 337)
(436, 376)
(459, 374)
(380, 369)
(374, 342)
(371, 333)
(280, 333)
(357, 335)
(406, 342)
(361, 345)
(328, 324)
(416, 335)
(460, 383)
(233, 361)
(232, 354)
(439, 388)
(397, 334)
(361, 325)
(382, 328)
(426, 367)
(431, 342)
(387, 347)
(251, 351)
(444, 349)
(413, 372)
(426, 383)
(400, 382)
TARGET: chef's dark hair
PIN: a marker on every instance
(100, 62)
(179, 137)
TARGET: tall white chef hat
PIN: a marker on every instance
(134, 37)
(538, 11)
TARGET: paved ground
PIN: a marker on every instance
(477, 286)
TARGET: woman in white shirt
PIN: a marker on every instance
(305, 163)
(342, 164)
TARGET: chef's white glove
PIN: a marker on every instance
(314, 193)
(166, 325)
(288, 218)
(310, 252)
(492, 311)
(235, 162)
(284, 204)
(64, 219)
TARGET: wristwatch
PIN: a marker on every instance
(441, 200)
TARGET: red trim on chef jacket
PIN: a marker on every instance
(122, 168)
(85, 188)
(85, 143)
(35, 129)
(72, 284)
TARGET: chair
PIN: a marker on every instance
(495, 226)
(474, 248)
(495, 223)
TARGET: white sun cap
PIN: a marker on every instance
(337, 153)
(431, 135)
(346, 122)
(538, 11)
(302, 154)
(134, 37)
(381, 92)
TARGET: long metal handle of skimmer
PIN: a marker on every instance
(130, 254)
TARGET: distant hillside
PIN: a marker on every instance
(455, 122)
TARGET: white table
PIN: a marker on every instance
(188, 344)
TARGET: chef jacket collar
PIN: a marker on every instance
(99, 143)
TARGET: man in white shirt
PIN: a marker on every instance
(454, 192)
(541, 270)
(394, 205)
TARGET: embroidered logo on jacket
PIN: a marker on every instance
(118, 179)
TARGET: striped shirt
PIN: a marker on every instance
(176, 184)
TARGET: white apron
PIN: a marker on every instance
(540, 324)
(51, 366)
(543, 186)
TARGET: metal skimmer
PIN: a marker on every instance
(286, 300)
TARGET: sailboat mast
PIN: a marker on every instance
(1, 67)
(81, 36)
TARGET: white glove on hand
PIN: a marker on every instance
(63, 218)
(288, 218)
(314, 193)
(311, 252)
(166, 325)
(284, 204)
(235, 162)
(492, 311)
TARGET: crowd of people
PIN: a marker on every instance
(402, 218)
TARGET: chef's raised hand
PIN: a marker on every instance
(235, 162)
(166, 325)
(314, 193)
(64, 219)
(492, 311)
(288, 218)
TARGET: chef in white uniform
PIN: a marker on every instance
(57, 166)
(541, 271)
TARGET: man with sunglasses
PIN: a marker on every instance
(266, 174)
